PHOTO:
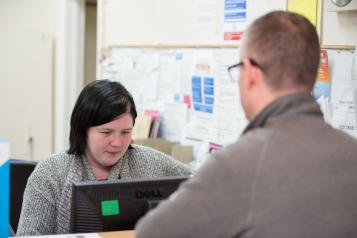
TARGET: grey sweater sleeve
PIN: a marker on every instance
(173, 167)
(38, 208)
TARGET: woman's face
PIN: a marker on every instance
(107, 143)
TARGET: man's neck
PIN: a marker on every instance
(272, 95)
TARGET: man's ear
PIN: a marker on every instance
(254, 74)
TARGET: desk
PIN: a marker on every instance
(117, 234)
(110, 234)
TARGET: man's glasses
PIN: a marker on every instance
(233, 70)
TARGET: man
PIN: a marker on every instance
(289, 174)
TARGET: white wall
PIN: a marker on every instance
(165, 22)
(339, 28)
(41, 73)
(143, 22)
(34, 16)
(170, 22)
(90, 60)
(28, 29)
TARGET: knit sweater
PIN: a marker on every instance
(46, 205)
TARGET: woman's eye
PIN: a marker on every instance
(106, 132)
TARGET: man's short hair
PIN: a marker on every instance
(287, 47)
(99, 102)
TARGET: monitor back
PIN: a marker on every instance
(20, 171)
(117, 205)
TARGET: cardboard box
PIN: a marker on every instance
(158, 144)
(183, 153)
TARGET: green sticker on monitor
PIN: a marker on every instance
(110, 208)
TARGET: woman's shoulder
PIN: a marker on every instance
(54, 164)
(50, 174)
(61, 159)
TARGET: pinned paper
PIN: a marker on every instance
(354, 66)
(325, 108)
(345, 110)
(322, 86)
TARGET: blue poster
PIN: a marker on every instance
(203, 93)
(235, 10)
(321, 89)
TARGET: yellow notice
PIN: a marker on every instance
(307, 8)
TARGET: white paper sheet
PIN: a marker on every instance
(167, 84)
(227, 91)
(205, 20)
(344, 110)
(201, 126)
(325, 108)
(184, 69)
(229, 124)
(354, 66)
(173, 120)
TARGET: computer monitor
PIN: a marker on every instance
(20, 171)
(117, 205)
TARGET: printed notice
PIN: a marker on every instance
(322, 86)
(344, 112)
(235, 19)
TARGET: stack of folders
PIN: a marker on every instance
(155, 122)
(146, 125)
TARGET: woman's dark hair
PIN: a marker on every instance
(99, 102)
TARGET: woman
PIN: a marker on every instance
(100, 148)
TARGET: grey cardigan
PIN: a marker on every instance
(289, 175)
(47, 197)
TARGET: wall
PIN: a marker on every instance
(28, 29)
(140, 22)
(35, 16)
(90, 43)
(162, 22)
(339, 28)
(42, 62)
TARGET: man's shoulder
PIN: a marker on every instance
(246, 151)
(252, 141)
